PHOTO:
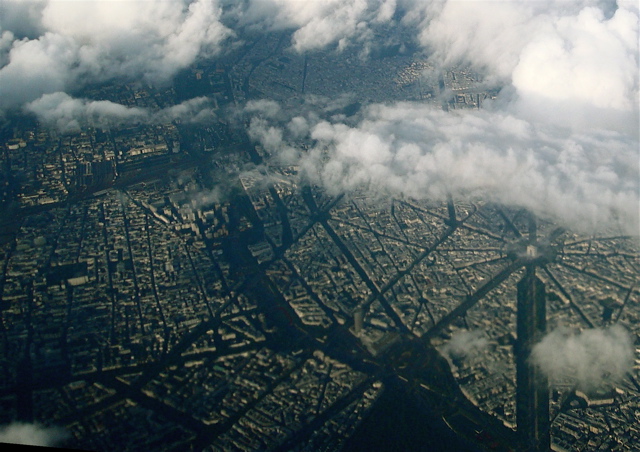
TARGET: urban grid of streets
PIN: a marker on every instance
(158, 312)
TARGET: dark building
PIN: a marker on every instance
(94, 174)
(532, 393)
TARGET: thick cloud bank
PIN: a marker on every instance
(88, 41)
(585, 181)
(573, 62)
(32, 435)
(590, 358)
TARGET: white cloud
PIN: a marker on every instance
(69, 114)
(590, 358)
(32, 434)
(573, 63)
(465, 343)
(197, 110)
(585, 59)
(88, 41)
(584, 72)
(588, 182)
(22, 18)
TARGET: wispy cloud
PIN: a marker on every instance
(69, 114)
(590, 358)
(32, 434)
